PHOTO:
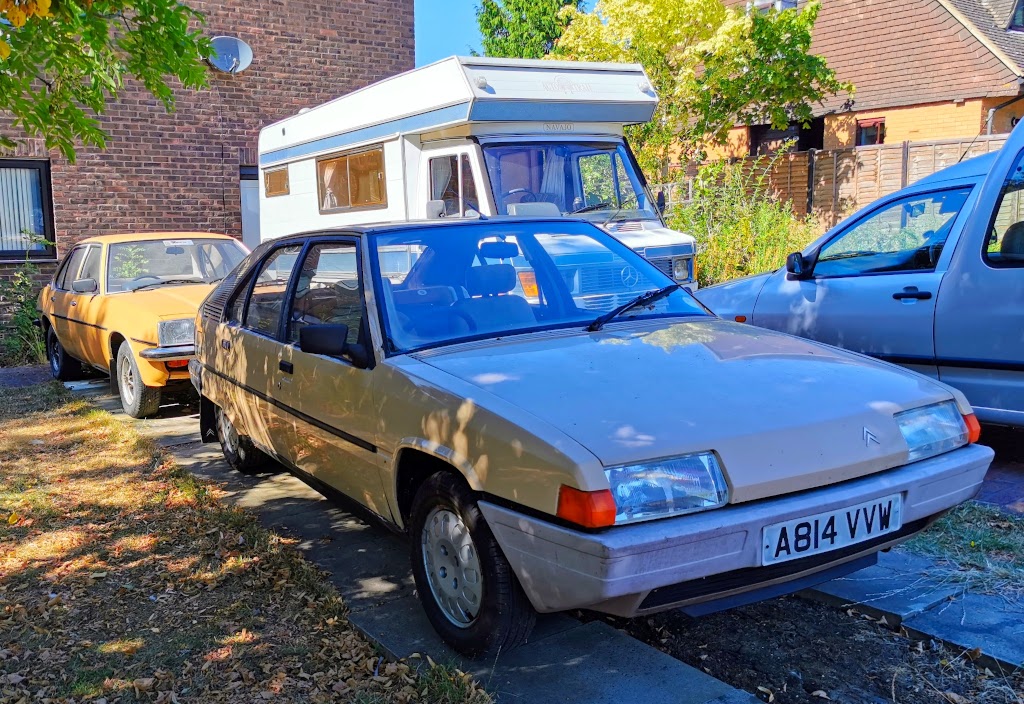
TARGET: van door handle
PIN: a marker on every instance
(910, 292)
(286, 367)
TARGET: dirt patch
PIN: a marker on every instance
(791, 651)
(20, 377)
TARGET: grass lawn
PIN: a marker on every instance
(124, 578)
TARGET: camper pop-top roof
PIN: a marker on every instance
(460, 91)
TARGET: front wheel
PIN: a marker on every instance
(467, 588)
(137, 399)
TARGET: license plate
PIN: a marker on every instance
(831, 530)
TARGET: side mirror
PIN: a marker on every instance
(84, 286)
(329, 340)
(798, 267)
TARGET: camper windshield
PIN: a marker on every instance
(594, 180)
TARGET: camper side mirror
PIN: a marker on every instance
(798, 267)
(329, 340)
(84, 286)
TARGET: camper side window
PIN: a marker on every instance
(451, 181)
(352, 181)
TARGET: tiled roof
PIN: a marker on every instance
(992, 17)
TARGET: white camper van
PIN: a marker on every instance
(470, 137)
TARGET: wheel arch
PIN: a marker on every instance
(416, 460)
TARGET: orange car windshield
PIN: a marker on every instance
(150, 263)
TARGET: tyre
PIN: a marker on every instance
(137, 399)
(62, 366)
(466, 586)
(238, 449)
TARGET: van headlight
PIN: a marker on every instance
(932, 430)
(173, 333)
(669, 487)
(681, 269)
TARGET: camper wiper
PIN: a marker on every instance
(645, 298)
(595, 206)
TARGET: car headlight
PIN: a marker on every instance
(932, 430)
(668, 487)
(172, 333)
(681, 269)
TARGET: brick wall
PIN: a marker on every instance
(180, 171)
(918, 123)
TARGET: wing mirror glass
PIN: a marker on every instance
(84, 286)
(329, 340)
(798, 266)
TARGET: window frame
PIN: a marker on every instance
(63, 269)
(247, 284)
(346, 155)
(91, 249)
(267, 173)
(985, 258)
(314, 241)
(877, 122)
(48, 252)
(1016, 23)
(969, 187)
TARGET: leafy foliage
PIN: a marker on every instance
(129, 262)
(21, 342)
(525, 29)
(742, 227)
(61, 62)
(712, 66)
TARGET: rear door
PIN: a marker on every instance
(874, 283)
(334, 419)
(979, 325)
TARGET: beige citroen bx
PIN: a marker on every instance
(556, 424)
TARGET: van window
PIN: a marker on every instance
(264, 311)
(352, 181)
(451, 181)
(275, 182)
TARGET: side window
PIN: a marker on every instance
(469, 200)
(91, 269)
(907, 235)
(1005, 243)
(596, 175)
(328, 291)
(70, 273)
(237, 310)
(265, 302)
(444, 182)
(352, 181)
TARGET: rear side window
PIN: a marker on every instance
(1005, 244)
(263, 314)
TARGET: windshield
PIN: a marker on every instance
(595, 181)
(446, 284)
(150, 263)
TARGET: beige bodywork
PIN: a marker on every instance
(522, 415)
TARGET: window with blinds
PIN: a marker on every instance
(26, 212)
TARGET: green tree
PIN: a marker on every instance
(713, 67)
(524, 29)
(61, 61)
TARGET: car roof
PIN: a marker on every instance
(149, 236)
(976, 168)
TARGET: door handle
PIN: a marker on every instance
(74, 303)
(912, 293)
(225, 344)
(286, 367)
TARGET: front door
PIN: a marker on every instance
(66, 321)
(874, 284)
(88, 307)
(334, 426)
(979, 326)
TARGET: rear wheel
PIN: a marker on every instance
(466, 586)
(239, 450)
(137, 399)
(62, 366)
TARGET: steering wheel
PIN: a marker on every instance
(528, 195)
(470, 323)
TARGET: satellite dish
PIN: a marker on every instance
(230, 54)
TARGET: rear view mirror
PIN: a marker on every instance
(798, 267)
(84, 286)
(329, 340)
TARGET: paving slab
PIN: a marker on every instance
(991, 623)
(898, 587)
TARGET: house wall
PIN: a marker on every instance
(917, 123)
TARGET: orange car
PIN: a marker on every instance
(126, 305)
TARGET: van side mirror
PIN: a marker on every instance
(84, 286)
(798, 267)
(329, 340)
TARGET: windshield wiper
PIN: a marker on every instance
(167, 281)
(643, 299)
(587, 208)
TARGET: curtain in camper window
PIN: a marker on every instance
(352, 181)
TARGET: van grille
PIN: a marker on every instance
(213, 306)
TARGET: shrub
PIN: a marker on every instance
(21, 342)
(741, 225)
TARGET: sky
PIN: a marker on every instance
(445, 27)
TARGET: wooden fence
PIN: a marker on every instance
(834, 183)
